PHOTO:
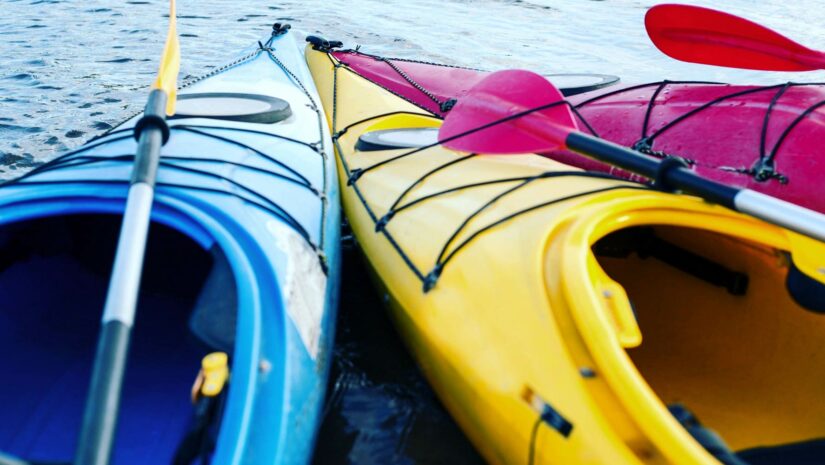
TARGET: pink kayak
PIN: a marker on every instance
(763, 138)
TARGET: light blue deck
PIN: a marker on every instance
(278, 379)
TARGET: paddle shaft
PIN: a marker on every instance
(101, 414)
(771, 209)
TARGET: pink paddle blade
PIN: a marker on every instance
(495, 116)
(703, 35)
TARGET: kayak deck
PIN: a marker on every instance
(764, 138)
(527, 333)
(246, 180)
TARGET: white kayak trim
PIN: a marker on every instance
(303, 286)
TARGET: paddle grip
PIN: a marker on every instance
(711, 191)
(613, 154)
(673, 175)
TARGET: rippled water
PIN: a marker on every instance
(70, 70)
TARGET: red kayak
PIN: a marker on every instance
(765, 138)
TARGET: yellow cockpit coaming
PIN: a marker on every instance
(701, 315)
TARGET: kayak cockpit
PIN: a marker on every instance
(723, 336)
(54, 273)
(703, 322)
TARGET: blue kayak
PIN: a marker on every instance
(243, 258)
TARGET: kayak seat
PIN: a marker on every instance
(807, 292)
(230, 106)
(706, 437)
(214, 317)
(800, 453)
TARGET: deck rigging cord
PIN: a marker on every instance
(95, 445)
(383, 220)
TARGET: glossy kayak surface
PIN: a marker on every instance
(569, 317)
(243, 257)
(764, 138)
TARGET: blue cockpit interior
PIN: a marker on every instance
(54, 273)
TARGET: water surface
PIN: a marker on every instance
(71, 70)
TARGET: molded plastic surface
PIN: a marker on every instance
(725, 141)
(265, 194)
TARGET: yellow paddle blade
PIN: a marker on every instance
(167, 80)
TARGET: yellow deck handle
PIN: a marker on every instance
(627, 328)
(212, 377)
(215, 368)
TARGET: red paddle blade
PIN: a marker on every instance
(702, 35)
(495, 116)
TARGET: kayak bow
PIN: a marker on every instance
(242, 258)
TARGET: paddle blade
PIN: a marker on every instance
(167, 79)
(495, 116)
(702, 35)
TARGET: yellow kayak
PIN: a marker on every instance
(567, 317)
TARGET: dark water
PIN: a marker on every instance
(380, 410)
(71, 70)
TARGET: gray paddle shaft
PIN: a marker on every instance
(671, 176)
(782, 213)
(100, 416)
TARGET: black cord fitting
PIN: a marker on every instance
(382, 223)
(643, 145)
(556, 421)
(322, 257)
(318, 43)
(340, 133)
(432, 278)
(764, 170)
(323, 45)
(354, 175)
(447, 105)
(280, 29)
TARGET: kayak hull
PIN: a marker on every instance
(265, 196)
(487, 265)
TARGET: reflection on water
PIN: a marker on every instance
(379, 408)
